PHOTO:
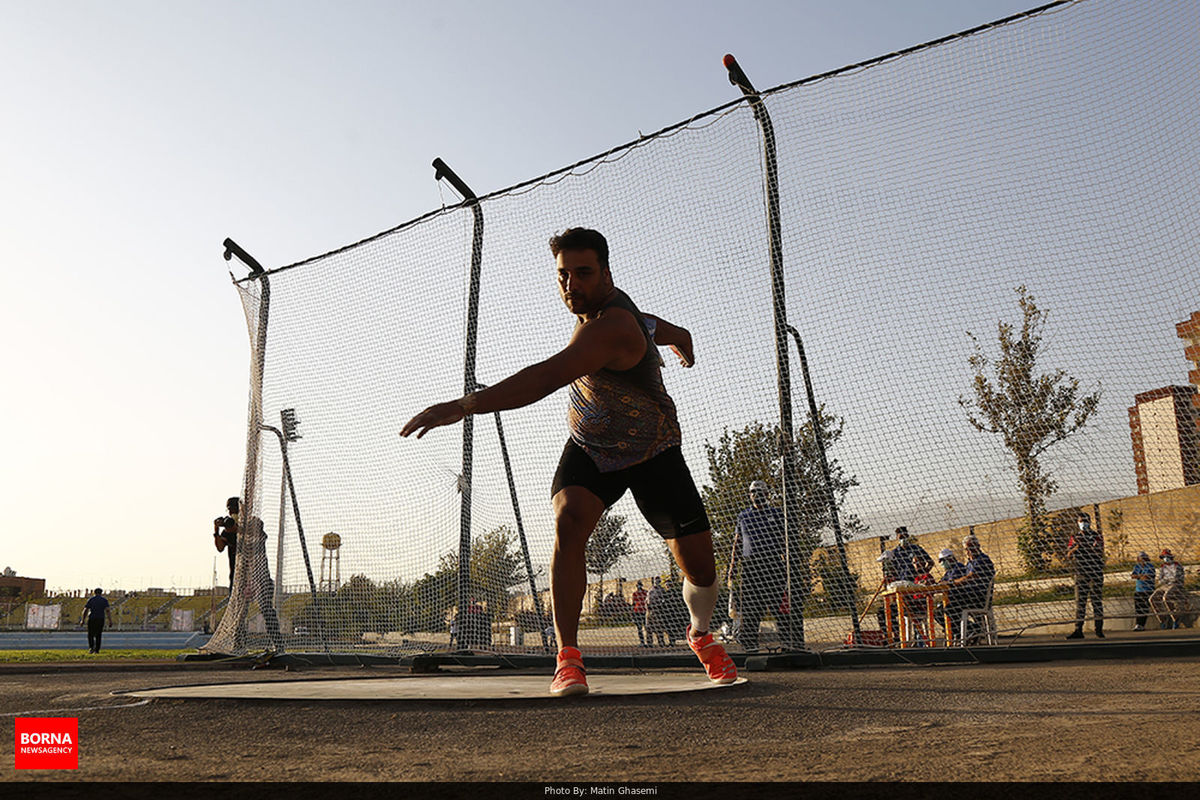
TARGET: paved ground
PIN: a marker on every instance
(1091, 720)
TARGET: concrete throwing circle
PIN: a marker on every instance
(434, 687)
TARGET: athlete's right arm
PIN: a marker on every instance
(594, 345)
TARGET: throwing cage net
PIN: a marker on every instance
(987, 250)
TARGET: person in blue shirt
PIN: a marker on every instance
(1143, 575)
(954, 569)
(975, 583)
(95, 611)
(758, 549)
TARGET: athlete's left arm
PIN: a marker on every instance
(677, 338)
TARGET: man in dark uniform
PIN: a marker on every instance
(95, 611)
(909, 557)
(624, 436)
(1086, 549)
(758, 550)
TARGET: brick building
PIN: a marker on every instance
(14, 587)
(1165, 425)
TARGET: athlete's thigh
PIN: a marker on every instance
(577, 470)
(667, 497)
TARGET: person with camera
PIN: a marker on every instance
(230, 535)
(225, 530)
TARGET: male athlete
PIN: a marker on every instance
(624, 435)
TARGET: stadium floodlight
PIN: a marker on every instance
(290, 425)
(288, 433)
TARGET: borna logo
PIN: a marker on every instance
(47, 743)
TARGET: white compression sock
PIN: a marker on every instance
(700, 600)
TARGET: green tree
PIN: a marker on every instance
(753, 453)
(496, 567)
(841, 589)
(430, 597)
(357, 606)
(605, 548)
(1031, 412)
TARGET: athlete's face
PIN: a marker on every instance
(583, 283)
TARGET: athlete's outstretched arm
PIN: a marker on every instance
(593, 347)
(672, 336)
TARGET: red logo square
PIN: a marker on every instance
(47, 743)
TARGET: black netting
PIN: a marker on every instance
(1055, 153)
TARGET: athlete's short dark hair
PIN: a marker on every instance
(581, 239)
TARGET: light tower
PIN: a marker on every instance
(331, 562)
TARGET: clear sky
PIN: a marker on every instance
(138, 135)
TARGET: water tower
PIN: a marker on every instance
(331, 562)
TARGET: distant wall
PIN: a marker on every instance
(1148, 522)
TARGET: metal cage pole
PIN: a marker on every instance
(249, 485)
(783, 371)
(512, 490)
(441, 170)
(250, 481)
(819, 438)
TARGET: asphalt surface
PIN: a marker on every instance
(1112, 720)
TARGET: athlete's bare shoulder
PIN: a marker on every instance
(616, 331)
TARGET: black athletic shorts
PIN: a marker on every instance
(662, 487)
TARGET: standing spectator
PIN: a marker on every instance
(758, 549)
(1086, 547)
(225, 530)
(657, 613)
(909, 558)
(1169, 600)
(1143, 574)
(95, 611)
(639, 613)
(476, 630)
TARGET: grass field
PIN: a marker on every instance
(59, 656)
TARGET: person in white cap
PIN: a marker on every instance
(1170, 601)
(758, 549)
(954, 569)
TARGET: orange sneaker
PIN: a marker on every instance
(712, 655)
(570, 678)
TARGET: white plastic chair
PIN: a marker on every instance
(982, 615)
